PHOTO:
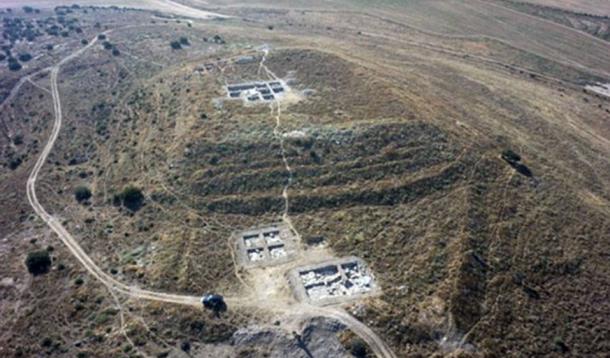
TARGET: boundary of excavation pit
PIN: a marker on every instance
(287, 235)
(294, 278)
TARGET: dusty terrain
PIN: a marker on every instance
(452, 146)
(596, 7)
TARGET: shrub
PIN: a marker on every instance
(116, 52)
(107, 45)
(46, 342)
(314, 240)
(514, 159)
(25, 57)
(100, 36)
(84, 41)
(13, 64)
(175, 45)
(82, 193)
(18, 140)
(358, 348)
(523, 169)
(131, 198)
(184, 41)
(38, 262)
(315, 157)
(14, 163)
(510, 156)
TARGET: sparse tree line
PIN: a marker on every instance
(184, 41)
(178, 44)
(15, 29)
(131, 197)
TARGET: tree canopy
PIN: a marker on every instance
(38, 262)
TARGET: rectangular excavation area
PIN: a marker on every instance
(253, 241)
(277, 251)
(251, 92)
(256, 255)
(272, 237)
(356, 279)
(267, 245)
(333, 282)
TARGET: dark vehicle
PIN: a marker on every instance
(214, 302)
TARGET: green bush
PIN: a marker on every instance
(131, 198)
(184, 41)
(38, 262)
(14, 163)
(82, 193)
(46, 342)
(358, 348)
(510, 156)
(13, 64)
(314, 240)
(25, 57)
(514, 159)
(176, 45)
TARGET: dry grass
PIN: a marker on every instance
(596, 7)
(400, 166)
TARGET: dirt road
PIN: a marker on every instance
(166, 6)
(375, 342)
(61, 231)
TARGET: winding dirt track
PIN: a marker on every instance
(376, 344)
(61, 231)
